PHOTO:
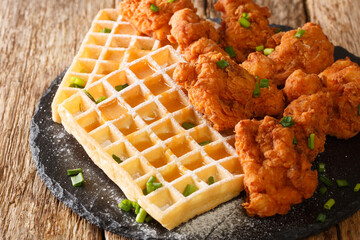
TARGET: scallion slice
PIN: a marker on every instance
(77, 82)
(342, 183)
(295, 142)
(189, 189)
(256, 92)
(277, 30)
(152, 179)
(323, 190)
(268, 51)
(328, 205)
(100, 99)
(230, 51)
(125, 205)
(188, 125)
(264, 83)
(357, 187)
(204, 143)
(211, 180)
(71, 172)
(105, 30)
(246, 15)
(300, 33)
(89, 95)
(321, 217)
(287, 121)
(78, 180)
(170, 1)
(325, 180)
(116, 158)
(222, 63)
(154, 8)
(140, 217)
(136, 207)
(321, 167)
(244, 22)
(121, 87)
(311, 141)
(259, 48)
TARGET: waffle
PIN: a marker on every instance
(142, 125)
(102, 53)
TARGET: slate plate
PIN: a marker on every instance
(54, 151)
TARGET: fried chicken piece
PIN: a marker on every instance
(224, 96)
(259, 65)
(244, 40)
(300, 83)
(342, 80)
(148, 22)
(312, 53)
(187, 27)
(277, 174)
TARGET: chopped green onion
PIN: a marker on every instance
(154, 8)
(300, 33)
(230, 51)
(268, 51)
(188, 125)
(244, 22)
(321, 217)
(116, 158)
(148, 218)
(125, 205)
(287, 122)
(342, 183)
(136, 206)
(246, 15)
(171, 1)
(222, 63)
(101, 99)
(326, 181)
(277, 30)
(256, 92)
(311, 141)
(189, 189)
(328, 205)
(211, 180)
(259, 48)
(89, 95)
(264, 83)
(121, 87)
(323, 190)
(150, 187)
(78, 180)
(74, 171)
(77, 82)
(140, 217)
(295, 142)
(105, 30)
(357, 187)
(152, 179)
(73, 85)
(204, 143)
(321, 167)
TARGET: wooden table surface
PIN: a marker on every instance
(38, 39)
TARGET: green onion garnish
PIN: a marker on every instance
(77, 82)
(125, 205)
(140, 217)
(264, 83)
(259, 48)
(152, 179)
(230, 51)
(151, 185)
(295, 142)
(300, 33)
(121, 87)
(105, 30)
(357, 187)
(321, 167)
(78, 180)
(100, 99)
(136, 206)
(211, 180)
(154, 8)
(170, 1)
(89, 95)
(256, 92)
(287, 122)
(74, 171)
(311, 141)
(188, 125)
(277, 30)
(116, 158)
(268, 51)
(246, 15)
(204, 143)
(222, 63)
(342, 183)
(328, 205)
(189, 189)
(326, 181)
(323, 190)
(244, 22)
(321, 217)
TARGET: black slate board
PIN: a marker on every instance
(54, 151)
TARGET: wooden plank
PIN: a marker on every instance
(330, 234)
(284, 12)
(38, 39)
(350, 228)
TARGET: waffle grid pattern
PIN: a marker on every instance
(102, 53)
(142, 124)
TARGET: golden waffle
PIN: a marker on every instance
(102, 53)
(142, 124)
